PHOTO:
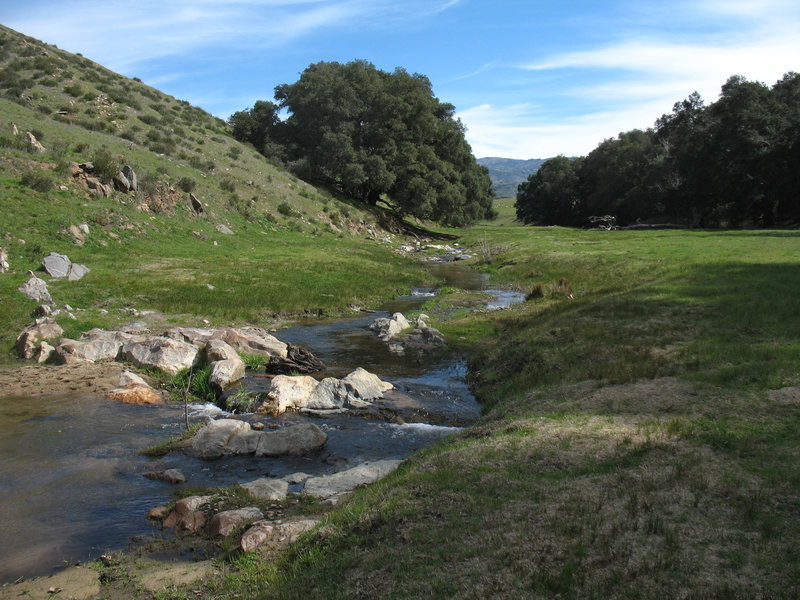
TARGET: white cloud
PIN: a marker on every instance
(521, 131)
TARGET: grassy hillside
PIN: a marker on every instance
(295, 248)
(508, 173)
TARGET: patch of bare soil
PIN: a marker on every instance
(49, 380)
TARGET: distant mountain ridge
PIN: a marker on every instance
(507, 173)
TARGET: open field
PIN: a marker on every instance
(640, 440)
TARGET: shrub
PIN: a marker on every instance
(287, 210)
(234, 152)
(75, 90)
(37, 180)
(105, 165)
(187, 184)
(227, 183)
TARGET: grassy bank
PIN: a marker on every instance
(640, 441)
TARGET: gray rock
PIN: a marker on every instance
(72, 351)
(36, 289)
(121, 182)
(4, 267)
(77, 271)
(389, 328)
(212, 440)
(225, 522)
(170, 356)
(345, 481)
(224, 229)
(130, 175)
(84, 228)
(331, 393)
(365, 385)
(250, 340)
(267, 489)
(197, 206)
(57, 265)
(295, 440)
(42, 329)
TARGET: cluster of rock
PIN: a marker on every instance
(444, 252)
(193, 514)
(197, 513)
(59, 266)
(422, 336)
(331, 395)
(174, 350)
(86, 175)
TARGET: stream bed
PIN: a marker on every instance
(71, 478)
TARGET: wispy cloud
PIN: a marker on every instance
(629, 83)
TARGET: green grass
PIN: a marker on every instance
(640, 440)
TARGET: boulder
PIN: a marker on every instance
(36, 289)
(76, 271)
(225, 522)
(267, 489)
(345, 481)
(57, 265)
(366, 386)
(170, 356)
(295, 440)
(45, 352)
(248, 340)
(35, 145)
(3, 261)
(130, 175)
(72, 351)
(331, 393)
(168, 476)
(197, 206)
(121, 182)
(212, 440)
(258, 533)
(226, 366)
(197, 336)
(389, 328)
(186, 514)
(42, 329)
(224, 229)
(290, 392)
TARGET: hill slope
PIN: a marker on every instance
(508, 173)
(294, 247)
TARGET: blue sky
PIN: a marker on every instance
(529, 79)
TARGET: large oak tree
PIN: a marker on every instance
(375, 136)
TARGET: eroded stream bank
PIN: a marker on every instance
(71, 481)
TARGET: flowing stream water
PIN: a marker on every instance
(71, 478)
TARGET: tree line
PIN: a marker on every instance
(374, 136)
(732, 163)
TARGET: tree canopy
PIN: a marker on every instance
(735, 162)
(373, 135)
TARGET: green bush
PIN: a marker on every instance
(187, 184)
(105, 164)
(37, 180)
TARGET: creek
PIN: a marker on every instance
(71, 478)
